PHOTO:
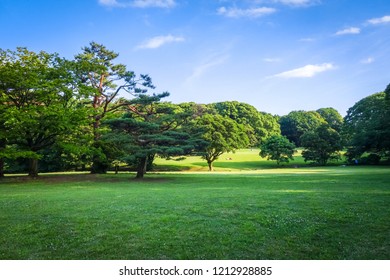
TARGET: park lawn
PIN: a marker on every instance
(242, 160)
(289, 213)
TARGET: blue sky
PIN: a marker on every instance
(277, 55)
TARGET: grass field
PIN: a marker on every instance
(284, 213)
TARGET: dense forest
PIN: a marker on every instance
(90, 113)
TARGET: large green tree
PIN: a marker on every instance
(39, 103)
(150, 128)
(278, 148)
(296, 123)
(332, 117)
(103, 80)
(321, 145)
(259, 125)
(222, 135)
(367, 126)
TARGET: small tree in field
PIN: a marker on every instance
(222, 134)
(277, 148)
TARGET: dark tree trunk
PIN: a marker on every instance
(141, 168)
(33, 167)
(210, 164)
(1, 168)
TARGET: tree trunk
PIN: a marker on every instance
(1, 167)
(33, 167)
(141, 168)
(210, 164)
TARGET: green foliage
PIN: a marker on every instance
(222, 135)
(367, 126)
(38, 101)
(296, 123)
(332, 117)
(259, 125)
(101, 80)
(150, 128)
(278, 148)
(321, 145)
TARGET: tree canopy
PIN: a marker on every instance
(278, 148)
(222, 135)
(367, 126)
(38, 103)
(296, 123)
(321, 145)
(259, 125)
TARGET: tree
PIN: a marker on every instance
(367, 126)
(222, 135)
(321, 145)
(103, 80)
(277, 148)
(150, 128)
(296, 123)
(38, 102)
(332, 117)
(259, 125)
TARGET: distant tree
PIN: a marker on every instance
(39, 103)
(222, 134)
(321, 145)
(278, 148)
(259, 125)
(296, 123)
(367, 126)
(332, 117)
(101, 79)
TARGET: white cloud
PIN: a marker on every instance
(212, 61)
(111, 3)
(385, 19)
(307, 71)
(367, 60)
(154, 3)
(139, 3)
(159, 41)
(252, 12)
(296, 2)
(272, 59)
(352, 30)
(307, 40)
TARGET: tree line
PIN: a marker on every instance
(91, 113)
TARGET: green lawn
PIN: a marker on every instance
(286, 213)
(243, 160)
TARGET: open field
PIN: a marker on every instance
(286, 213)
(242, 160)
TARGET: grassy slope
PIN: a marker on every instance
(304, 213)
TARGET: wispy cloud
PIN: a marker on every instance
(351, 30)
(154, 3)
(272, 59)
(138, 3)
(209, 63)
(385, 19)
(159, 41)
(251, 12)
(297, 2)
(307, 71)
(367, 60)
(307, 40)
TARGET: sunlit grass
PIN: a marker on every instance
(285, 213)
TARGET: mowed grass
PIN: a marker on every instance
(288, 213)
(242, 160)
